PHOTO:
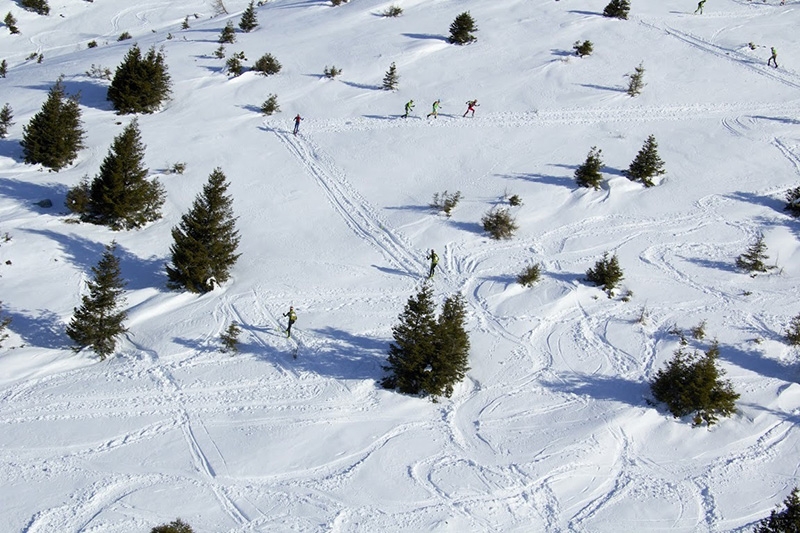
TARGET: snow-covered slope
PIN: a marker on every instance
(551, 431)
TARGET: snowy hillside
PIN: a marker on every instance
(552, 430)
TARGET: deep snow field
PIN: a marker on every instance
(552, 430)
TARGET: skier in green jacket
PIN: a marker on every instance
(292, 319)
(409, 107)
(773, 59)
(435, 112)
(434, 261)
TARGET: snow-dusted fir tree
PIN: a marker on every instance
(606, 273)
(755, 258)
(11, 23)
(391, 78)
(635, 81)
(588, 174)
(205, 241)
(230, 339)
(461, 29)
(6, 115)
(98, 321)
(141, 83)
(793, 201)
(121, 196)
(617, 9)
(40, 7)
(228, 34)
(647, 164)
(54, 135)
(5, 321)
(786, 520)
(249, 21)
(267, 65)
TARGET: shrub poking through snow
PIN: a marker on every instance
(584, 48)
(617, 9)
(530, 275)
(445, 201)
(499, 223)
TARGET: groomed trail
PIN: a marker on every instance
(553, 429)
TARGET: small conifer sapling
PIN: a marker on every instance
(647, 164)
(793, 202)
(267, 65)
(461, 29)
(228, 34)
(754, 259)
(588, 174)
(617, 9)
(635, 81)
(230, 339)
(606, 273)
(793, 332)
(390, 79)
(249, 20)
(3, 68)
(499, 223)
(11, 23)
(584, 48)
(6, 115)
(270, 105)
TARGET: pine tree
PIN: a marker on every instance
(617, 9)
(6, 114)
(270, 105)
(588, 174)
(754, 260)
(11, 23)
(205, 242)
(793, 333)
(230, 338)
(606, 273)
(234, 65)
(98, 321)
(693, 384)
(793, 202)
(176, 526)
(3, 68)
(249, 21)
(54, 135)
(185, 23)
(635, 83)
(391, 78)
(121, 196)
(4, 323)
(414, 343)
(228, 34)
(449, 364)
(140, 84)
(40, 7)
(647, 164)
(783, 521)
(267, 65)
(461, 29)
(584, 48)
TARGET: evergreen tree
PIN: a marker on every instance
(793, 333)
(754, 260)
(414, 343)
(98, 322)
(693, 384)
(499, 223)
(461, 29)
(635, 83)
(11, 23)
(205, 242)
(647, 164)
(3, 68)
(121, 196)
(267, 65)
(249, 21)
(783, 521)
(583, 48)
(588, 174)
(4, 323)
(6, 114)
(391, 78)
(617, 9)
(270, 105)
(40, 7)
(228, 34)
(793, 202)
(449, 364)
(54, 135)
(230, 338)
(185, 23)
(140, 84)
(606, 273)
(176, 526)
(234, 64)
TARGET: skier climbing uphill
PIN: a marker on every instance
(471, 105)
(434, 261)
(292, 319)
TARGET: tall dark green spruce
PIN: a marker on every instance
(54, 135)
(205, 241)
(141, 83)
(428, 355)
(617, 9)
(786, 520)
(461, 29)
(588, 174)
(450, 362)
(414, 343)
(647, 164)
(249, 21)
(121, 196)
(98, 321)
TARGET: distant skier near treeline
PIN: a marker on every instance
(292, 319)
(471, 105)
(434, 261)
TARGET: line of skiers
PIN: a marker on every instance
(437, 104)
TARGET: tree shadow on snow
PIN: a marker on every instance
(92, 94)
(725, 266)
(756, 362)
(363, 86)
(757, 199)
(137, 272)
(579, 12)
(426, 36)
(784, 120)
(32, 193)
(342, 355)
(472, 227)
(562, 53)
(598, 387)
(395, 272)
(420, 208)
(11, 148)
(562, 181)
(614, 89)
(43, 329)
(383, 117)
